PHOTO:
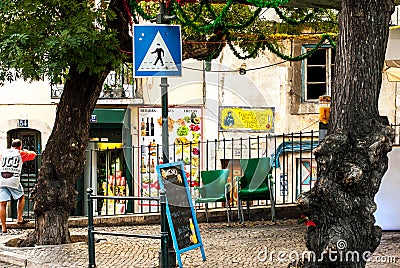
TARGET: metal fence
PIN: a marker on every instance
(119, 84)
(163, 236)
(122, 173)
(294, 168)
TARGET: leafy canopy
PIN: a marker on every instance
(245, 26)
(45, 38)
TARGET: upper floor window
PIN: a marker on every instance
(318, 72)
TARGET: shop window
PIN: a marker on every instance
(318, 73)
(111, 179)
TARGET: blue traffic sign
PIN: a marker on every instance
(157, 50)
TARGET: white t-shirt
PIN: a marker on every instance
(10, 168)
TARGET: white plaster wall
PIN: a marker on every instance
(264, 85)
(26, 100)
(185, 90)
(41, 118)
(393, 52)
(389, 99)
(23, 92)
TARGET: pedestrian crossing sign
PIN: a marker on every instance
(157, 50)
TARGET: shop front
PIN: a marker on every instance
(106, 170)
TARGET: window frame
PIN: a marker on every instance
(329, 68)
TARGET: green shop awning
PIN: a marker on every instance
(107, 116)
(106, 125)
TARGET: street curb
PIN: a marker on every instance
(21, 260)
(10, 255)
(13, 258)
(287, 211)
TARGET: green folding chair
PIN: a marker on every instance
(214, 189)
(255, 184)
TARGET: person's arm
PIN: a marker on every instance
(27, 155)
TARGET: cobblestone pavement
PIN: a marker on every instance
(252, 244)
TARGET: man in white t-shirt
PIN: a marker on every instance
(10, 182)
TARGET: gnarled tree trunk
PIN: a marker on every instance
(63, 159)
(352, 159)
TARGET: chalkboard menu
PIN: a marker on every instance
(180, 213)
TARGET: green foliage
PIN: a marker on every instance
(146, 10)
(47, 38)
(244, 26)
(297, 21)
(40, 38)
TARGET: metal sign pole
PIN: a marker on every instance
(162, 18)
(164, 107)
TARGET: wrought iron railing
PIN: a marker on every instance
(163, 236)
(119, 84)
(294, 168)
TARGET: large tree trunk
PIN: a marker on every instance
(352, 159)
(63, 159)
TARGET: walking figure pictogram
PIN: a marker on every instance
(160, 54)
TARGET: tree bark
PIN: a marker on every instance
(352, 159)
(63, 159)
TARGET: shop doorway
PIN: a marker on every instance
(31, 140)
(113, 179)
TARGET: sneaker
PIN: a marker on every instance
(4, 233)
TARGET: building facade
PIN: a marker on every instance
(227, 99)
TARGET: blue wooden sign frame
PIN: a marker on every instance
(172, 178)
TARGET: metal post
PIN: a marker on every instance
(92, 262)
(164, 229)
(164, 103)
(163, 18)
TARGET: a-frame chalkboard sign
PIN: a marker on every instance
(180, 212)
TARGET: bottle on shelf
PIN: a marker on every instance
(143, 147)
(147, 127)
(143, 128)
(153, 148)
(152, 166)
(151, 127)
(143, 167)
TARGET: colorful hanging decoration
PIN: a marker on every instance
(218, 24)
(293, 21)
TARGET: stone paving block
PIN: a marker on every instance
(13, 258)
(252, 244)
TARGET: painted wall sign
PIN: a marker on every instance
(254, 119)
(180, 212)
